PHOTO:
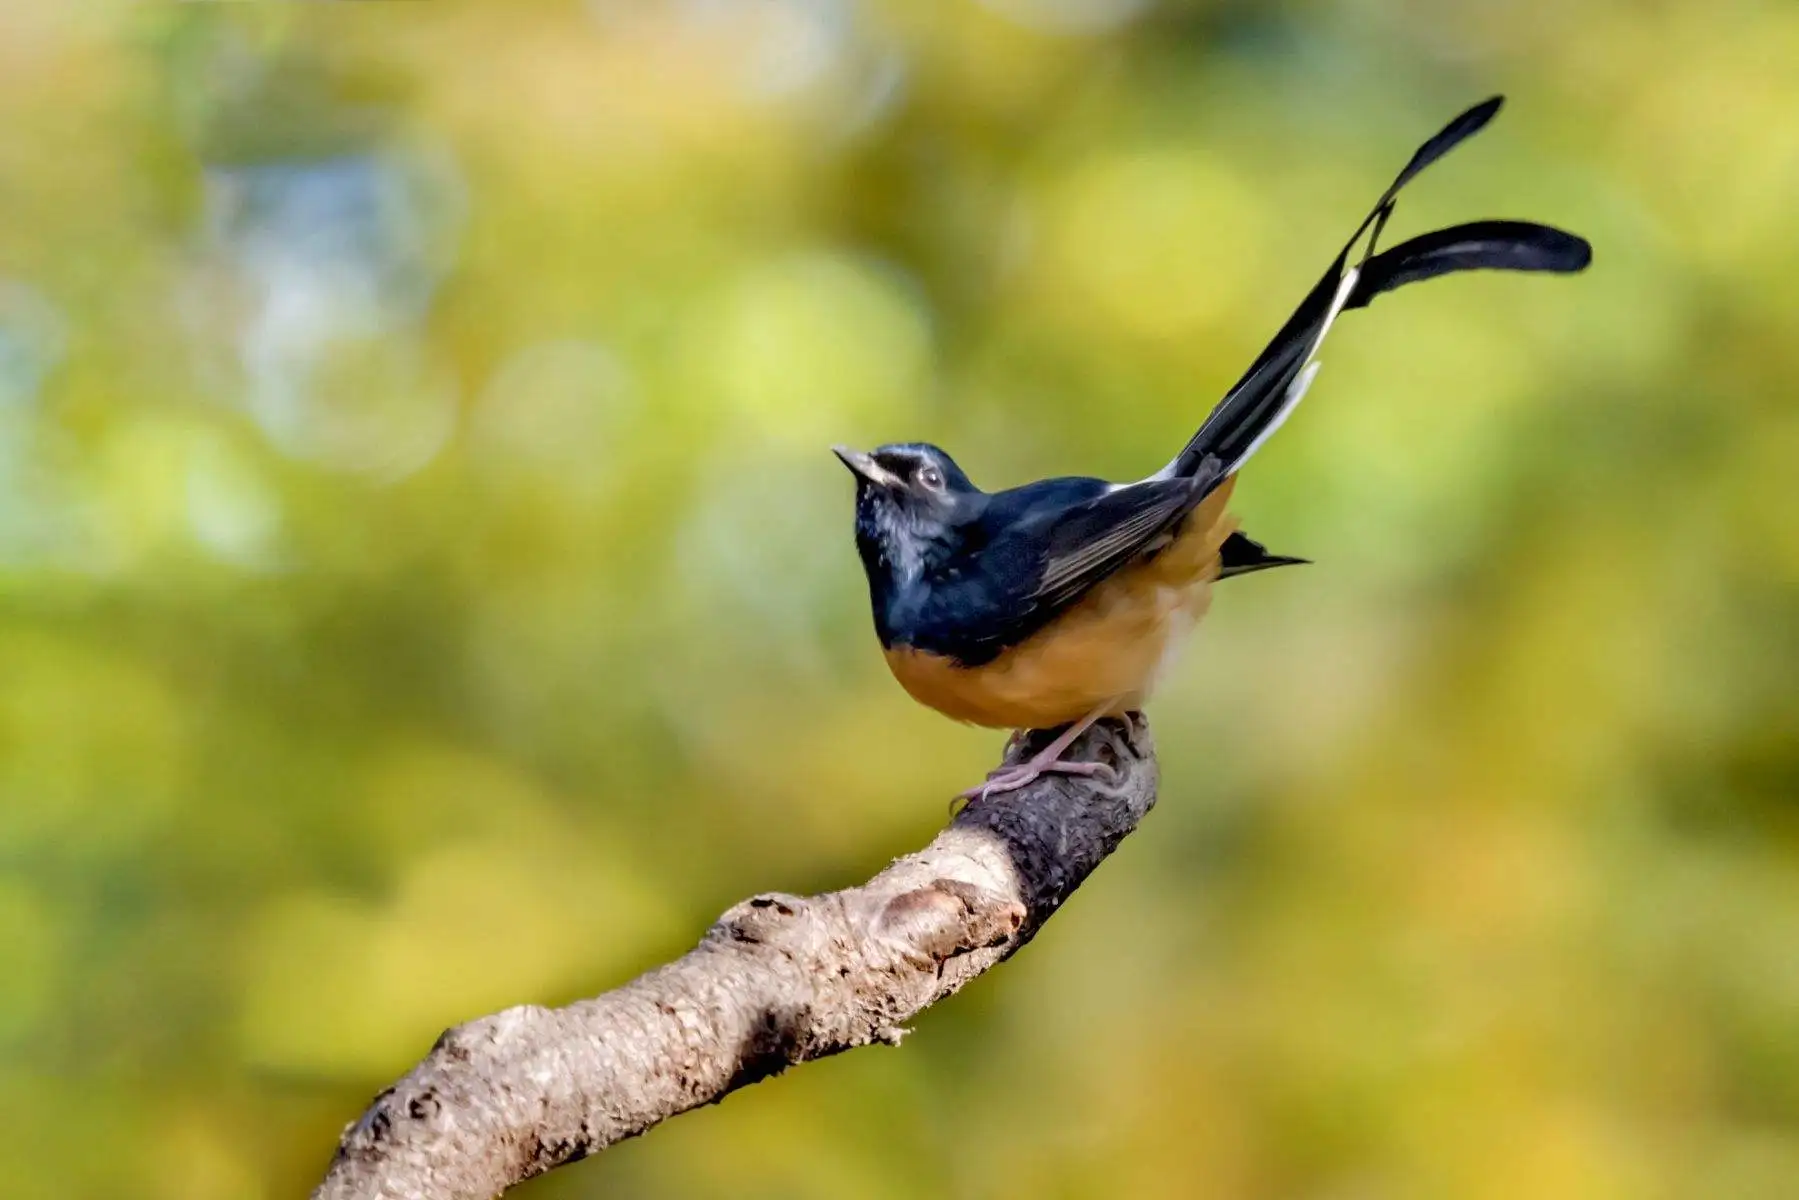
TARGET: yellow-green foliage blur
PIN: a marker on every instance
(425, 586)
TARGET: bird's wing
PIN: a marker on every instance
(1043, 553)
(1083, 545)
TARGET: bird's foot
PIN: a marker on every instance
(1010, 779)
(1046, 761)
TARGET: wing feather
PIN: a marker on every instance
(1090, 542)
(1095, 539)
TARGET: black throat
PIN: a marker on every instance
(904, 550)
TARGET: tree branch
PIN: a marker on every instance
(778, 980)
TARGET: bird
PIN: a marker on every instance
(1064, 601)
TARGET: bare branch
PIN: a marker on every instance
(778, 980)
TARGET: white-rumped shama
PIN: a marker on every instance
(1062, 601)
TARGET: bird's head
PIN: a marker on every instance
(910, 500)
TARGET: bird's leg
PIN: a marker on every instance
(1046, 761)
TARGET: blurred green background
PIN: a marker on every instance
(424, 586)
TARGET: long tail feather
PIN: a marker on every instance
(1479, 245)
(1277, 380)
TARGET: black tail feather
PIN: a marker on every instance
(1448, 138)
(1274, 382)
(1240, 555)
(1479, 245)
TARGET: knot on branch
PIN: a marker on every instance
(761, 918)
(948, 917)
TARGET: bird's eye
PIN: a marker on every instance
(931, 477)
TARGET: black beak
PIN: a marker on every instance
(866, 467)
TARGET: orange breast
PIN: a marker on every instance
(1110, 648)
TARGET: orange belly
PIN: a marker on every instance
(1110, 648)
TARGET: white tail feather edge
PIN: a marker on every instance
(1296, 391)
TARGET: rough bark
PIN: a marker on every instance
(779, 980)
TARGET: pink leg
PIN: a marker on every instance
(1046, 761)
